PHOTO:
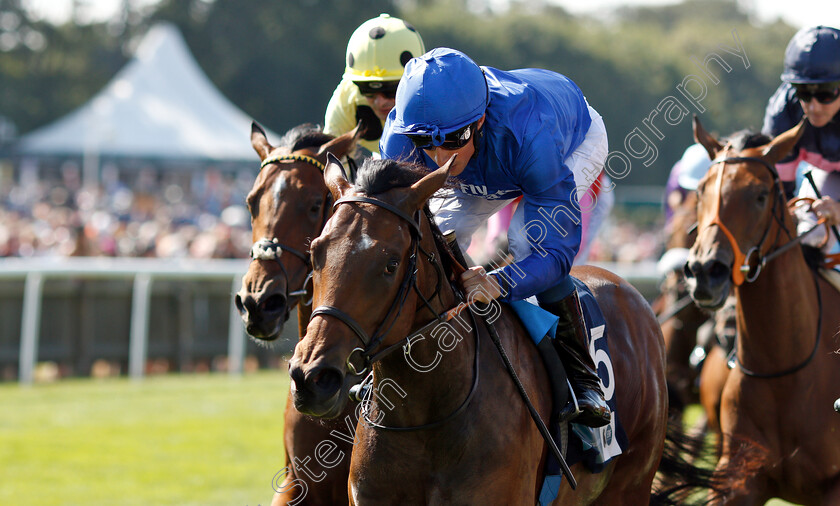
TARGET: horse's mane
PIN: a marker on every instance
(307, 135)
(378, 176)
(743, 139)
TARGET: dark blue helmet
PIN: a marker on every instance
(813, 56)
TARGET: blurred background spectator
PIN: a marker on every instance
(153, 217)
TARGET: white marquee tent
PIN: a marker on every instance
(160, 106)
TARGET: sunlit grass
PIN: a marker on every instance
(167, 440)
(180, 440)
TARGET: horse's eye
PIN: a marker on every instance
(315, 208)
(392, 266)
(762, 198)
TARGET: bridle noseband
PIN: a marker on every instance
(738, 273)
(371, 343)
(270, 248)
(742, 269)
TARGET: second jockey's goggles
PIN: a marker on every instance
(369, 89)
(824, 93)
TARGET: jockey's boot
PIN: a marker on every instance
(571, 344)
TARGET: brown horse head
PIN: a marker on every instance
(367, 275)
(289, 205)
(741, 209)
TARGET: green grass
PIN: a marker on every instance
(180, 440)
(167, 440)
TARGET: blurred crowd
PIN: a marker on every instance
(183, 215)
(624, 240)
(624, 237)
(199, 215)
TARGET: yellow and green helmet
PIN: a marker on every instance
(379, 49)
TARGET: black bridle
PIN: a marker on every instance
(369, 353)
(409, 282)
(271, 249)
(372, 343)
(762, 260)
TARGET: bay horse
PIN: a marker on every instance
(777, 400)
(289, 204)
(444, 424)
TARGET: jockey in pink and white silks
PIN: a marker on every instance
(811, 88)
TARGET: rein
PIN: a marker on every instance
(738, 275)
(807, 361)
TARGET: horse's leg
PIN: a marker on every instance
(749, 490)
(712, 378)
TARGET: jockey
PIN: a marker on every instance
(529, 133)
(811, 87)
(376, 56)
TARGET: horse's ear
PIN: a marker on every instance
(422, 190)
(259, 141)
(342, 144)
(335, 177)
(783, 143)
(713, 147)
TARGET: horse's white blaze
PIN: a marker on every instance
(280, 185)
(365, 243)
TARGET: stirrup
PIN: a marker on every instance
(568, 417)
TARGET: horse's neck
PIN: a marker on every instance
(777, 314)
(437, 375)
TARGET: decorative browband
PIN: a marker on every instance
(296, 158)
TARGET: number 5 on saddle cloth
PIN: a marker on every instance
(595, 447)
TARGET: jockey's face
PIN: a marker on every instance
(820, 114)
(381, 103)
(465, 153)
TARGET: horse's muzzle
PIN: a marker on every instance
(264, 317)
(708, 281)
(318, 391)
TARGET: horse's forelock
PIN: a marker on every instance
(745, 139)
(307, 135)
(378, 176)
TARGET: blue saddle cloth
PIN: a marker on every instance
(595, 447)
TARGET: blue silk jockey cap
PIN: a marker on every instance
(440, 92)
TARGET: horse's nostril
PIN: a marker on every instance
(688, 272)
(274, 303)
(296, 373)
(327, 380)
(237, 301)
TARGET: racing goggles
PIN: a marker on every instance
(451, 141)
(823, 95)
(369, 89)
